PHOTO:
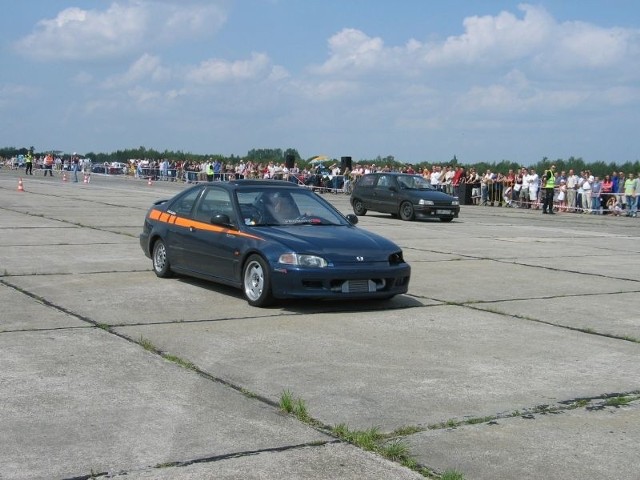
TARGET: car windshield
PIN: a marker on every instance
(414, 182)
(285, 207)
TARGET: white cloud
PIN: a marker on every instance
(120, 30)
(326, 90)
(146, 67)
(14, 94)
(534, 42)
(494, 40)
(143, 96)
(352, 49)
(218, 70)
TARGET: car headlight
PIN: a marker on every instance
(310, 261)
(425, 202)
(455, 202)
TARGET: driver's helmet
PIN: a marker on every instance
(281, 206)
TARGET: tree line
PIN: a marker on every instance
(278, 155)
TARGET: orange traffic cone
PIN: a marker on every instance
(64, 177)
(149, 182)
(20, 187)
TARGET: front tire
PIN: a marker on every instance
(359, 208)
(446, 219)
(406, 211)
(256, 282)
(160, 259)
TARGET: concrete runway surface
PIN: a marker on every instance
(515, 354)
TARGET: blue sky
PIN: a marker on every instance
(421, 80)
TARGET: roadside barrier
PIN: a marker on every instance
(563, 200)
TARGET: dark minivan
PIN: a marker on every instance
(402, 195)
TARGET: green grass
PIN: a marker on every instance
(295, 406)
(147, 344)
(180, 361)
(396, 450)
(406, 430)
(617, 401)
(286, 401)
(452, 475)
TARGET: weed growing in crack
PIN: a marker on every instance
(295, 406)
(406, 430)
(452, 475)
(147, 344)
(397, 451)
(300, 410)
(286, 401)
(617, 401)
(180, 361)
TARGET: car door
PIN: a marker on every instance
(365, 190)
(177, 227)
(386, 193)
(212, 247)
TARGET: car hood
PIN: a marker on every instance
(335, 243)
(434, 195)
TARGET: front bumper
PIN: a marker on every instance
(341, 282)
(434, 211)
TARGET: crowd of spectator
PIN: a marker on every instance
(575, 192)
(581, 192)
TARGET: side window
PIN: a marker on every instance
(184, 205)
(214, 201)
(383, 181)
(367, 181)
(405, 182)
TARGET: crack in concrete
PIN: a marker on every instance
(210, 459)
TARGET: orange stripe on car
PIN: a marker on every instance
(186, 223)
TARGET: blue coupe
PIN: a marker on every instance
(272, 239)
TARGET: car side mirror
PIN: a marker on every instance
(223, 220)
(353, 219)
(392, 188)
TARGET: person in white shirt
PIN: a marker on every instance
(435, 177)
(524, 192)
(572, 187)
(534, 188)
(448, 178)
(586, 194)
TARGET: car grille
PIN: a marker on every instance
(359, 286)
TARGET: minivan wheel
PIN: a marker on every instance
(359, 208)
(406, 211)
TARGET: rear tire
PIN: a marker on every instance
(256, 282)
(359, 208)
(160, 259)
(406, 211)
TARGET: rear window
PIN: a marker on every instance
(367, 181)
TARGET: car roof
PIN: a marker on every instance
(395, 174)
(241, 184)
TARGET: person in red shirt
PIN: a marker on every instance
(48, 164)
(606, 189)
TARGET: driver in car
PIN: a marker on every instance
(282, 208)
